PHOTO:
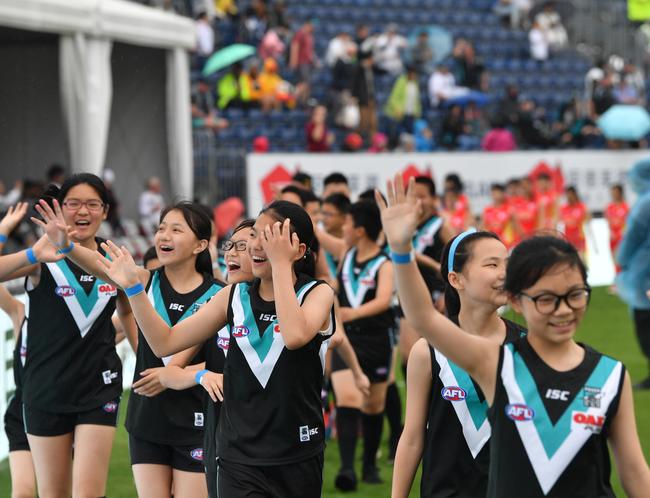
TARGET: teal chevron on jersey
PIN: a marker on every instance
(477, 408)
(356, 286)
(424, 235)
(86, 301)
(261, 342)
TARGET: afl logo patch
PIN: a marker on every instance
(453, 393)
(240, 331)
(197, 454)
(223, 343)
(65, 291)
(110, 407)
(519, 412)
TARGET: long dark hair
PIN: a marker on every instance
(462, 254)
(301, 225)
(201, 226)
(532, 258)
(89, 179)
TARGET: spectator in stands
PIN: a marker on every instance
(352, 143)
(250, 77)
(532, 129)
(513, 13)
(364, 41)
(593, 77)
(340, 48)
(406, 143)
(204, 113)
(113, 215)
(603, 97)
(56, 175)
(626, 93)
(468, 72)
(453, 126)
(302, 60)
(255, 22)
(550, 23)
(233, 89)
(204, 39)
(387, 51)
(422, 53)
(423, 136)
(270, 82)
(225, 8)
(278, 16)
(319, 138)
(509, 105)
(379, 143)
(336, 183)
(634, 77)
(363, 90)
(150, 205)
(271, 45)
(403, 106)
(575, 129)
(499, 138)
(12, 197)
(442, 86)
(476, 124)
(539, 45)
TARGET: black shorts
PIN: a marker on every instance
(374, 353)
(42, 423)
(301, 479)
(14, 426)
(185, 458)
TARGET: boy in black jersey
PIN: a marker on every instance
(365, 295)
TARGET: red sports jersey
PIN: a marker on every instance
(497, 219)
(525, 212)
(546, 202)
(573, 216)
(616, 214)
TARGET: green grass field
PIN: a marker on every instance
(607, 327)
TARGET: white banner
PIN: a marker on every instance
(592, 172)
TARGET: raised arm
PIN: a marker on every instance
(298, 324)
(10, 221)
(12, 307)
(163, 339)
(476, 355)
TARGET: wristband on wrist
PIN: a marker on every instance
(31, 257)
(198, 377)
(134, 290)
(67, 249)
(3, 238)
(402, 258)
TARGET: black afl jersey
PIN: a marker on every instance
(456, 452)
(358, 281)
(172, 417)
(72, 365)
(550, 428)
(427, 241)
(272, 412)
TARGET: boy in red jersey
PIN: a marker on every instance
(574, 215)
(616, 214)
(547, 203)
(497, 217)
(525, 211)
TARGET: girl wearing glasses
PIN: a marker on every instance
(445, 409)
(554, 403)
(165, 426)
(72, 377)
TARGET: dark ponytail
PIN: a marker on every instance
(462, 254)
(201, 225)
(301, 225)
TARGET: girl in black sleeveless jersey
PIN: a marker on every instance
(440, 394)
(554, 403)
(23, 480)
(72, 374)
(166, 426)
(270, 433)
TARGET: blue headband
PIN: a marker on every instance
(454, 246)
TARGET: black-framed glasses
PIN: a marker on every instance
(239, 245)
(548, 303)
(91, 205)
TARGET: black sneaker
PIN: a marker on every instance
(346, 480)
(371, 476)
(644, 384)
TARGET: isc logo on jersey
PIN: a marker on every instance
(453, 393)
(197, 454)
(223, 343)
(587, 421)
(65, 291)
(240, 331)
(107, 290)
(519, 412)
(176, 307)
(306, 433)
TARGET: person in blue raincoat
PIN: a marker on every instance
(634, 258)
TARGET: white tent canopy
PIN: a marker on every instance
(119, 65)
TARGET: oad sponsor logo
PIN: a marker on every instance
(587, 421)
(107, 290)
(240, 331)
(223, 343)
(197, 454)
(65, 291)
(368, 282)
(453, 393)
(519, 412)
(110, 407)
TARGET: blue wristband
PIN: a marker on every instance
(31, 257)
(67, 249)
(401, 259)
(133, 290)
(3, 238)
(199, 375)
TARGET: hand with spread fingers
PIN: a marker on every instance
(46, 252)
(119, 265)
(12, 219)
(53, 223)
(400, 217)
(279, 244)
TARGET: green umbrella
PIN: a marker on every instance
(227, 56)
